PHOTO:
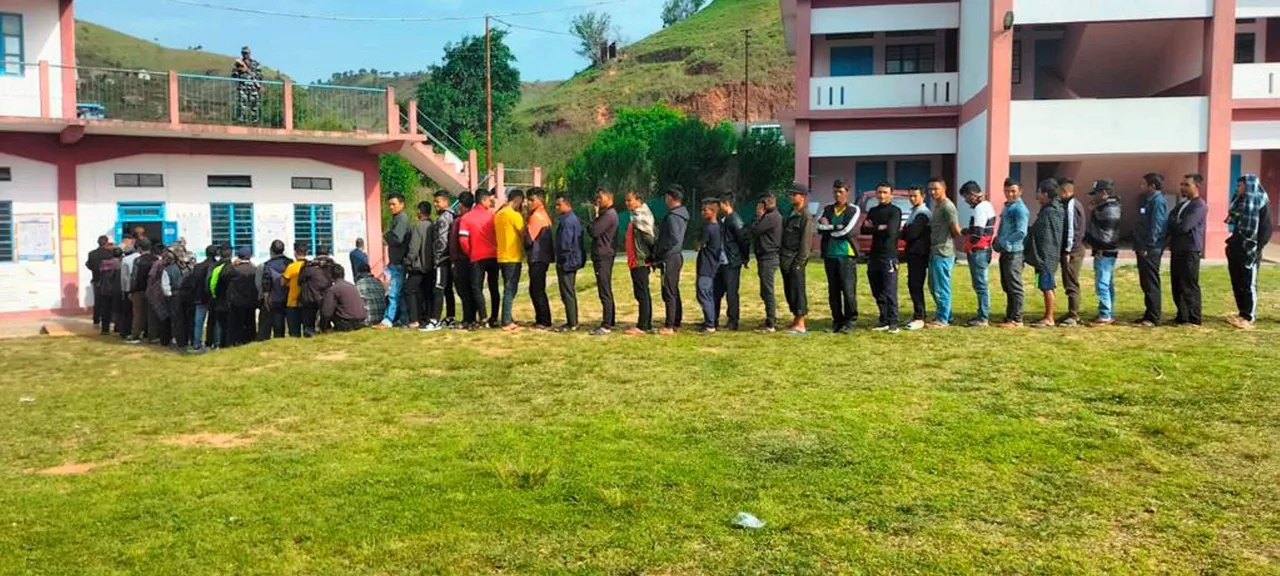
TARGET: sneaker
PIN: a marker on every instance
(893, 329)
(707, 330)
(493, 325)
(132, 340)
(884, 328)
(430, 327)
(1145, 324)
(601, 331)
(915, 325)
(565, 328)
(977, 323)
(766, 329)
(798, 332)
(633, 331)
(541, 328)
(1069, 322)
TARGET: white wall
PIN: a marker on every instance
(971, 160)
(886, 18)
(1257, 8)
(1263, 135)
(42, 40)
(27, 285)
(1057, 11)
(1255, 81)
(975, 47)
(187, 197)
(834, 143)
(1118, 126)
(890, 91)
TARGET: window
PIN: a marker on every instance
(303, 183)
(908, 59)
(1245, 42)
(11, 53)
(230, 181)
(912, 34)
(232, 224)
(313, 224)
(124, 180)
(1017, 61)
(852, 36)
(6, 175)
(6, 231)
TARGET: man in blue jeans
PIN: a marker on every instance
(1103, 236)
(397, 237)
(944, 228)
(978, 237)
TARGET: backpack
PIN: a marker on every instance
(274, 289)
(142, 272)
(314, 281)
(112, 279)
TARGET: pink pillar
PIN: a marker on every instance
(1000, 93)
(373, 216)
(45, 106)
(67, 33)
(537, 177)
(288, 105)
(68, 246)
(802, 153)
(175, 114)
(804, 56)
(473, 170)
(500, 182)
(413, 117)
(393, 112)
(1215, 162)
(1269, 174)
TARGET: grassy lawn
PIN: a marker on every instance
(961, 451)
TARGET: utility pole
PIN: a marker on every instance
(746, 77)
(488, 100)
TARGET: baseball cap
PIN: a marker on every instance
(1099, 186)
(244, 252)
(798, 188)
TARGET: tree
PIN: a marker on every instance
(593, 30)
(765, 164)
(453, 94)
(679, 10)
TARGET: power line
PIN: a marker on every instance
(401, 19)
(543, 30)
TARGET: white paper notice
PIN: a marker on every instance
(35, 237)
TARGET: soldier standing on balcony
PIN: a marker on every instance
(248, 74)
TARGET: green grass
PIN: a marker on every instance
(1099, 451)
(101, 47)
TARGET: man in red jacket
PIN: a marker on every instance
(477, 240)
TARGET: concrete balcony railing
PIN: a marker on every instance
(176, 99)
(1058, 11)
(1108, 126)
(885, 91)
(1255, 81)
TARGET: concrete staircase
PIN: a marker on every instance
(446, 170)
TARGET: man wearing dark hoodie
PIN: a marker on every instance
(1044, 246)
(766, 235)
(138, 270)
(1103, 236)
(177, 268)
(669, 256)
(604, 232)
(417, 265)
(540, 246)
(569, 259)
(94, 264)
(639, 244)
(109, 289)
(242, 293)
(737, 252)
(273, 293)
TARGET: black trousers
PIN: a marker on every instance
(917, 274)
(180, 316)
(222, 325)
(482, 273)
(462, 273)
(441, 303)
(158, 328)
(727, 284)
(671, 290)
(1244, 280)
(793, 287)
(883, 277)
(416, 293)
(1011, 266)
(107, 312)
(1149, 279)
(568, 283)
(842, 291)
(640, 285)
(604, 287)
(123, 309)
(767, 270)
(706, 295)
(101, 308)
(310, 316)
(1071, 264)
(271, 323)
(538, 293)
(1184, 276)
(240, 328)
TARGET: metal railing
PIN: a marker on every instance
(441, 142)
(339, 108)
(518, 177)
(230, 101)
(117, 94)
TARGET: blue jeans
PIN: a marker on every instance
(197, 329)
(979, 261)
(940, 286)
(1104, 271)
(395, 277)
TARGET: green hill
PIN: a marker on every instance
(98, 46)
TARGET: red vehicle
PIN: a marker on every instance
(868, 200)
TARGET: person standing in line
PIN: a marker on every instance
(124, 280)
(290, 278)
(417, 267)
(94, 263)
(1072, 249)
(569, 259)
(201, 297)
(508, 227)
(944, 228)
(884, 224)
(639, 247)
(1186, 227)
(604, 232)
(793, 257)
(1044, 246)
(915, 233)
(978, 237)
(1010, 242)
(158, 300)
(542, 252)
(440, 305)
(477, 238)
(371, 292)
(359, 258)
(140, 270)
(1251, 225)
(221, 303)
(1102, 234)
(273, 293)
(1149, 244)
(397, 238)
(460, 262)
(109, 286)
(176, 271)
(710, 258)
(342, 309)
(737, 253)
(242, 292)
(315, 280)
(669, 256)
(766, 234)
(840, 258)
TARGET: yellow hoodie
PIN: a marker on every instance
(508, 229)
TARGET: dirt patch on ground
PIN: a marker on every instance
(213, 440)
(337, 356)
(75, 468)
(674, 54)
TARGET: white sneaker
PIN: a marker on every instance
(880, 329)
(430, 327)
(915, 325)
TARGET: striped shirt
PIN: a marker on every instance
(982, 227)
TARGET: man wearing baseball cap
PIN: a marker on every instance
(793, 256)
(1102, 235)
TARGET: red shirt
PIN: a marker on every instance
(476, 236)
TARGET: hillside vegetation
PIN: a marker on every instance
(98, 46)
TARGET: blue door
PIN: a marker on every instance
(149, 216)
(852, 61)
(908, 173)
(866, 176)
(1015, 172)
(1048, 59)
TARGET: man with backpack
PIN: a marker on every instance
(108, 290)
(94, 264)
(139, 270)
(273, 293)
(313, 282)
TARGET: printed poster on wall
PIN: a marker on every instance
(36, 240)
(272, 227)
(348, 227)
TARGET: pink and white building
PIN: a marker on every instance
(982, 90)
(86, 152)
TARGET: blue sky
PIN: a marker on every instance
(311, 49)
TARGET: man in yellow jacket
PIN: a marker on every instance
(508, 229)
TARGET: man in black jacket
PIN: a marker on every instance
(273, 293)
(604, 232)
(201, 297)
(766, 234)
(916, 234)
(242, 293)
(417, 267)
(737, 252)
(93, 263)
(1149, 244)
(1186, 247)
(440, 309)
(1103, 236)
(884, 224)
(840, 257)
(569, 259)
(793, 257)
(669, 256)
(138, 292)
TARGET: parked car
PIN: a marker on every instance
(868, 201)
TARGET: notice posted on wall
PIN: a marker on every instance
(272, 227)
(36, 238)
(347, 227)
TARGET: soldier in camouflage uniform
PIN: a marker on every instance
(249, 88)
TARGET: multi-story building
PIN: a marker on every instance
(88, 152)
(981, 90)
